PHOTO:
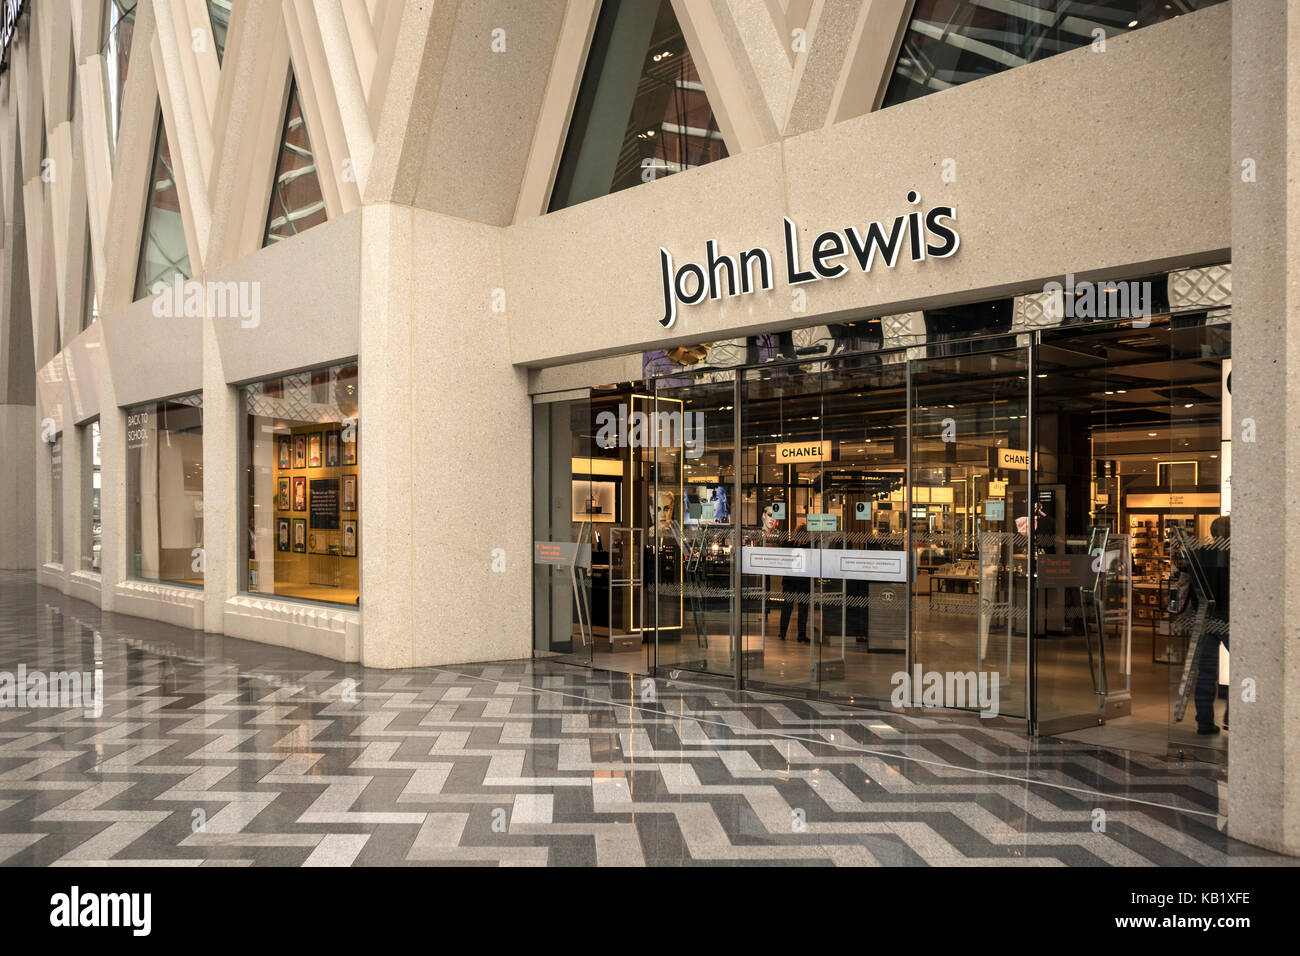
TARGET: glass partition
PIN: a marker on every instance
(303, 467)
(164, 491)
(574, 492)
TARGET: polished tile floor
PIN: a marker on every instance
(216, 751)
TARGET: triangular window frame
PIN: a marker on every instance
(278, 209)
(649, 144)
(143, 288)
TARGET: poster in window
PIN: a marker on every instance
(282, 534)
(350, 539)
(300, 494)
(314, 455)
(282, 452)
(282, 494)
(300, 451)
(350, 449)
(325, 504)
(349, 492)
(300, 535)
(333, 457)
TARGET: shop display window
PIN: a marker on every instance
(91, 528)
(164, 478)
(302, 462)
(56, 500)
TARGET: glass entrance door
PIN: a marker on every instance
(1132, 448)
(691, 541)
(823, 448)
(967, 508)
(566, 497)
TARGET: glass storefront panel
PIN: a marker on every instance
(1132, 437)
(968, 504)
(693, 536)
(573, 495)
(824, 452)
(91, 528)
(164, 491)
(303, 465)
(921, 526)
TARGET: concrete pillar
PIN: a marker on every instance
(223, 534)
(112, 495)
(17, 486)
(1264, 752)
(445, 447)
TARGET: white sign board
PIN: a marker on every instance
(864, 565)
(796, 562)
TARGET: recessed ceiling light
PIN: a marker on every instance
(1151, 434)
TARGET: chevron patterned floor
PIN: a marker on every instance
(213, 751)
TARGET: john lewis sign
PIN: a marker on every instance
(926, 234)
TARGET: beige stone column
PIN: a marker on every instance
(223, 532)
(1264, 750)
(445, 447)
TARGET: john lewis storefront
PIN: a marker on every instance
(843, 511)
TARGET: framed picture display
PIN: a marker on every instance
(350, 449)
(300, 451)
(283, 452)
(282, 494)
(300, 535)
(333, 449)
(300, 494)
(315, 453)
(349, 493)
(282, 534)
(349, 539)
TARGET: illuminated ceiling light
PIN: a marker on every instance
(1123, 391)
(1131, 24)
(1151, 434)
(1188, 405)
(1110, 393)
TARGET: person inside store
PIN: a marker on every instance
(1214, 560)
(796, 590)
